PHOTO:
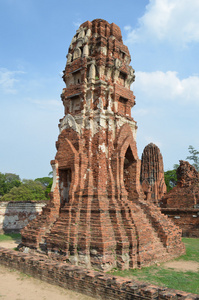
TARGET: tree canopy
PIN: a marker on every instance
(8, 181)
(29, 190)
(170, 178)
(194, 156)
(13, 189)
(45, 181)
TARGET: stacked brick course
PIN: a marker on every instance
(97, 216)
(89, 282)
(152, 173)
(181, 204)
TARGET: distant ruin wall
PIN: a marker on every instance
(181, 204)
(187, 219)
(92, 283)
(16, 215)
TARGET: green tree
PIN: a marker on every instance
(50, 174)
(8, 181)
(170, 178)
(194, 156)
(29, 190)
(3, 187)
(47, 183)
(48, 189)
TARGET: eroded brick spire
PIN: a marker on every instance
(152, 173)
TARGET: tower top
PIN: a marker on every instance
(98, 76)
(97, 26)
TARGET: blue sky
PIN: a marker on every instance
(163, 39)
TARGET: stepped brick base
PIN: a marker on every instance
(107, 226)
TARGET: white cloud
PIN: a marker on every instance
(50, 104)
(77, 24)
(127, 28)
(160, 86)
(141, 112)
(8, 80)
(175, 21)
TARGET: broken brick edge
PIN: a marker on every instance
(89, 282)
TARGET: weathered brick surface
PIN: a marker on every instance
(96, 284)
(186, 218)
(181, 204)
(16, 215)
(152, 173)
(97, 216)
(186, 192)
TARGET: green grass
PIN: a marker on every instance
(167, 277)
(10, 237)
(192, 249)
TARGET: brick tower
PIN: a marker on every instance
(152, 173)
(97, 216)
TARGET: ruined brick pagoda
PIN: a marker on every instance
(186, 193)
(181, 204)
(152, 173)
(97, 216)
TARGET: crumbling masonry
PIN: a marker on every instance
(181, 204)
(97, 215)
(152, 173)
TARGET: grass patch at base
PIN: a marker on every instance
(167, 277)
(192, 249)
(10, 236)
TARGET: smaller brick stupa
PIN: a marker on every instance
(152, 173)
(97, 216)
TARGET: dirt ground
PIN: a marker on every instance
(10, 244)
(183, 266)
(18, 286)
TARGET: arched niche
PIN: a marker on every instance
(126, 164)
(129, 171)
(65, 177)
(68, 169)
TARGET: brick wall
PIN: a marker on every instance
(187, 219)
(181, 204)
(16, 215)
(96, 284)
